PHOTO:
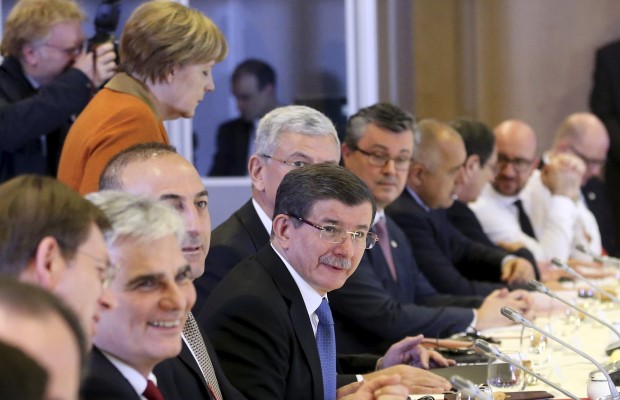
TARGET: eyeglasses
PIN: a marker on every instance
(520, 165)
(590, 162)
(107, 272)
(69, 51)
(294, 164)
(381, 160)
(337, 234)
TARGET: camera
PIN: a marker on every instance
(106, 21)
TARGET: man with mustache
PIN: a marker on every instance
(388, 297)
(508, 209)
(156, 170)
(452, 263)
(268, 317)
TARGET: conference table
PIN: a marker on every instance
(565, 368)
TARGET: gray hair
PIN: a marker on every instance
(384, 115)
(300, 120)
(138, 218)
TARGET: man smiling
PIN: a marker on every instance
(155, 293)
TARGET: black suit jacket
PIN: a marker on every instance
(237, 238)
(451, 262)
(605, 103)
(233, 142)
(466, 222)
(27, 114)
(597, 200)
(259, 326)
(105, 382)
(182, 378)
(372, 311)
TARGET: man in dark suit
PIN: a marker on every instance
(388, 297)
(254, 87)
(452, 263)
(478, 170)
(45, 81)
(605, 103)
(156, 170)
(269, 319)
(155, 293)
(287, 137)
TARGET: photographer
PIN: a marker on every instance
(46, 79)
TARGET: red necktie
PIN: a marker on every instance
(151, 392)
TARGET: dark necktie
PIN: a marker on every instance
(524, 220)
(151, 392)
(380, 229)
(195, 342)
(326, 344)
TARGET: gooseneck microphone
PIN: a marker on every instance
(469, 388)
(564, 267)
(520, 319)
(606, 260)
(494, 352)
(539, 287)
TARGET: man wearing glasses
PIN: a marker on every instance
(452, 263)
(388, 297)
(540, 208)
(52, 237)
(287, 138)
(585, 136)
(46, 79)
(269, 318)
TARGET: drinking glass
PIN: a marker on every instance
(503, 376)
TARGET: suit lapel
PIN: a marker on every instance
(297, 311)
(188, 358)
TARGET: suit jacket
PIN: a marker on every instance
(259, 326)
(597, 199)
(451, 262)
(105, 382)
(237, 238)
(605, 103)
(182, 377)
(26, 115)
(466, 222)
(372, 311)
(233, 142)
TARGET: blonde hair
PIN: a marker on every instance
(161, 34)
(32, 20)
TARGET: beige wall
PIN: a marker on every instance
(495, 59)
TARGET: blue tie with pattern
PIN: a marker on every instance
(326, 343)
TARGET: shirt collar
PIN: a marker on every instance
(418, 199)
(312, 298)
(505, 200)
(125, 83)
(136, 379)
(264, 218)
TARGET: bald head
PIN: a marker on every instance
(585, 136)
(439, 154)
(516, 156)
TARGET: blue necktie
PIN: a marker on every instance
(326, 343)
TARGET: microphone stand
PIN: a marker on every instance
(520, 319)
(496, 353)
(561, 265)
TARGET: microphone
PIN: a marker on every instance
(469, 388)
(539, 287)
(561, 265)
(607, 260)
(494, 352)
(520, 319)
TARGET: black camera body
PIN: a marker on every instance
(106, 22)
